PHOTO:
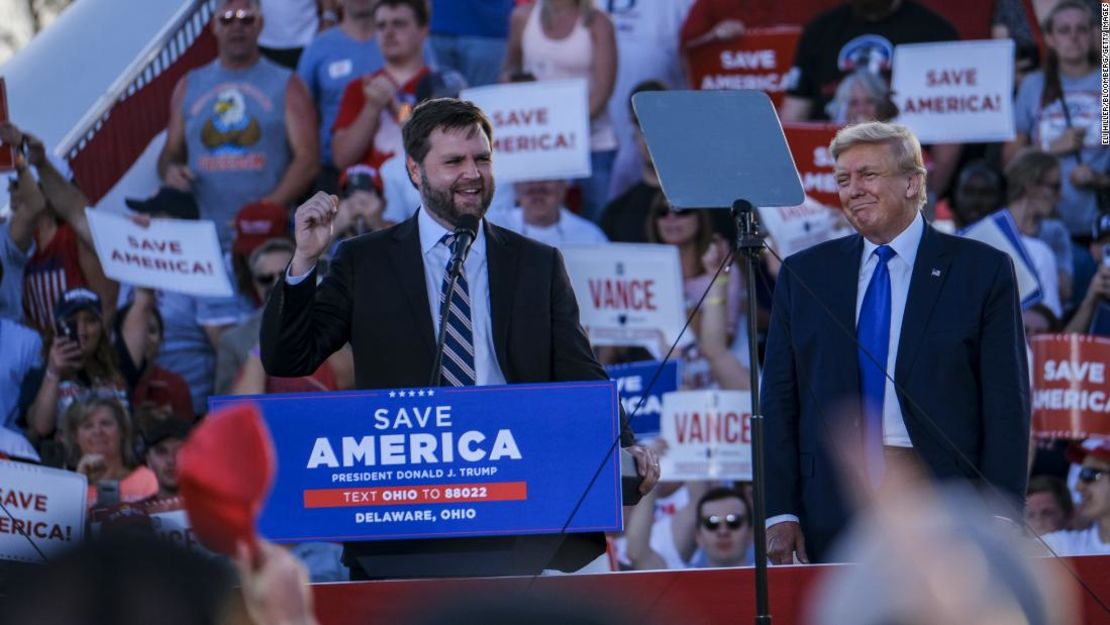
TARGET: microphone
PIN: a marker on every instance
(466, 230)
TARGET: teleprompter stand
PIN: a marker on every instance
(726, 150)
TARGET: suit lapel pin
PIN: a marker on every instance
(936, 273)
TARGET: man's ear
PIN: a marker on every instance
(413, 170)
(914, 184)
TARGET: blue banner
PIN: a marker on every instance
(632, 383)
(442, 462)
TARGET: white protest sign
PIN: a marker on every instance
(955, 92)
(708, 435)
(44, 506)
(541, 130)
(999, 231)
(629, 294)
(172, 254)
(795, 228)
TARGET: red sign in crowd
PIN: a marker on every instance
(1071, 387)
(809, 144)
(7, 152)
(760, 60)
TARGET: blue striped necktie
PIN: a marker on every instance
(873, 333)
(457, 366)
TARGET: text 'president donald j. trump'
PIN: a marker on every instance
(513, 317)
(938, 313)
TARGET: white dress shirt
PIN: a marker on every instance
(901, 269)
(436, 255)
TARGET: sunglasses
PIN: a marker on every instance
(265, 279)
(670, 210)
(1090, 474)
(245, 17)
(733, 521)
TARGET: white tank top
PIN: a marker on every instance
(569, 57)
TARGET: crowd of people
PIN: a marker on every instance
(107, 379)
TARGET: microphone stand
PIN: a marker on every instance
(749, 243)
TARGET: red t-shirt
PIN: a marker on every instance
(51, 271)
(971, 19)
(705, 14)
(165, 388)
(323, 379)
(387, 138)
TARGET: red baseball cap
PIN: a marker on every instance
(1099, 447)
(225, 471)
(257, 223)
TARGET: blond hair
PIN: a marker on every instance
(902, 142)
(79, 411)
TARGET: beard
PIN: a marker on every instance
(441, 201)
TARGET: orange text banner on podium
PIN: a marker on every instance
(760, 60)
(1071, 386)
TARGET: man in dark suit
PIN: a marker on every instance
(940, 314)
(513, 319)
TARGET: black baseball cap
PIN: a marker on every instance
(168, 201)
(75, 300)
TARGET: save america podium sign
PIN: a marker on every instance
(442, 462)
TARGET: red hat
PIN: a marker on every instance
(257, 223)
(225, 471)
(361, 177)
(1098, 446)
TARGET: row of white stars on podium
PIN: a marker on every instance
(416, 393)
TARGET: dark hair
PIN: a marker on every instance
(1053, 486)
(121, 579)
(725, 492)
(419, 9)
(980, 167)
(121, 314)
(705, 224)
(1052, 88)
(446, 113)
(651, 84)
(102, 367)
(1049, 316)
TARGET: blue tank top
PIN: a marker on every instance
(235, 135)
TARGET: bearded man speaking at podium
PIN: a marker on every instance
(513, 319)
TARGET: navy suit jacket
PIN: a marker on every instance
(961, 373)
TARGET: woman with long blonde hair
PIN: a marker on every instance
(564, 39)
